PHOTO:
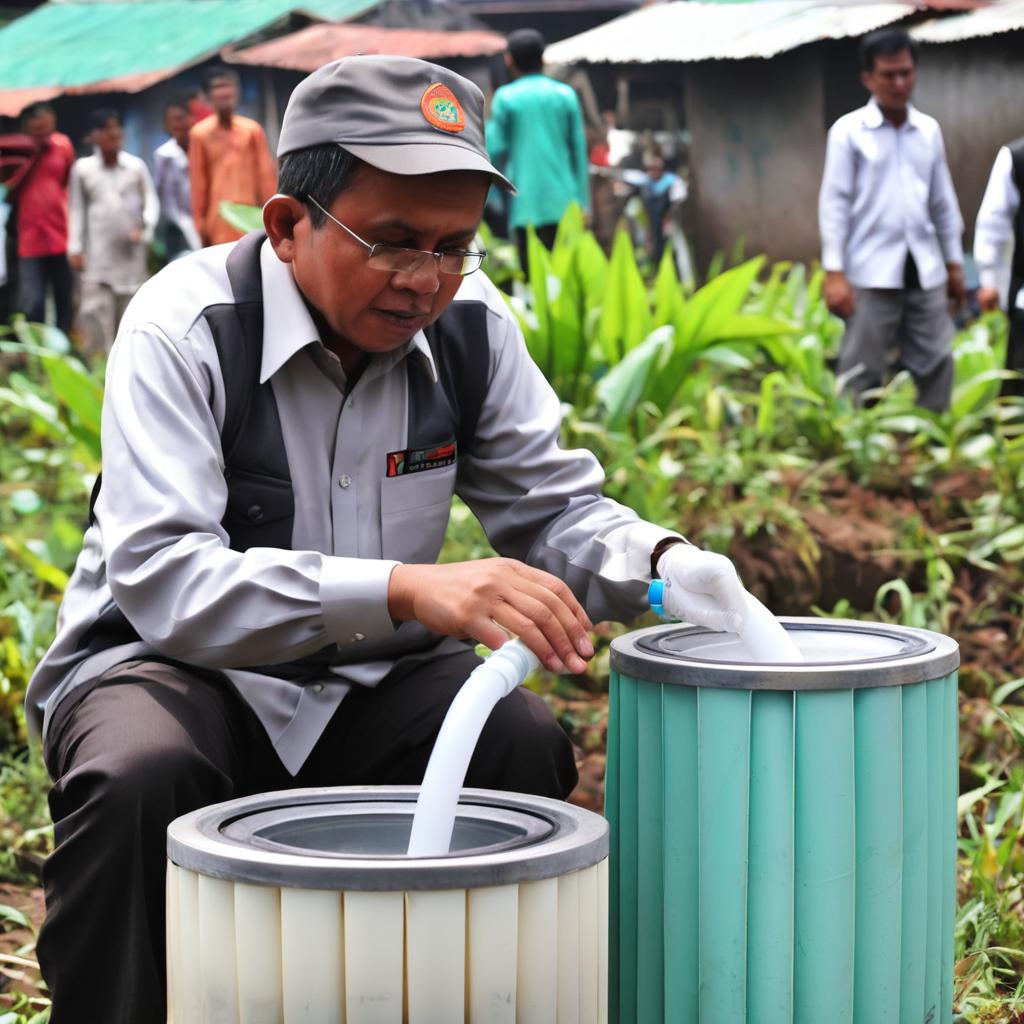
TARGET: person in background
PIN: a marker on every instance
(42, 221)
(890, 229)
(999, 252)
(170, 176)
(229, 160)
(536, 133)
(114, 212)
(662, 192)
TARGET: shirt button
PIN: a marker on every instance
(318, 688)
(359, 636)
(345, 480)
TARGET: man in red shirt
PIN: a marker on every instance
(43, 221)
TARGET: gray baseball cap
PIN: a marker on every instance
(396, 113)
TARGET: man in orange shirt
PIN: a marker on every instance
(228, 158)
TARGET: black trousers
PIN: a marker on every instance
(34, 274)
(546, 235)
(154, 741)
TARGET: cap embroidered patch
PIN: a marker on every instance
(441, 109)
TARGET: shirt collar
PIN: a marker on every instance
(288, 326)
(872, 116)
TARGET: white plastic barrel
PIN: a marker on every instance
(302, 906)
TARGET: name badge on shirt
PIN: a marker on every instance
(418, 460)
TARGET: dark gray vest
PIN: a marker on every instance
(260, 508)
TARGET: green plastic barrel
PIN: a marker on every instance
(783, 837)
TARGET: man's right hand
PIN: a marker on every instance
(77, 261)
(491, 598)
(988, 299)
(838, 294)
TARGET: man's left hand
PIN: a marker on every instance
(955, 283)
(702, 587)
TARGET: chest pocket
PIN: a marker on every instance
(414, 512)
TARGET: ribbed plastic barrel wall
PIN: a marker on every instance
(301, 907)
(246, 954)
(782, 857)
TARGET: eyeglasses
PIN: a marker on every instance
(398, 259)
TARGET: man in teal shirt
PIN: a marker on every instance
(536, 132)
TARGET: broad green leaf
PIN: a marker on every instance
(622, 388)
(242, 216)
(668, 293)
(771, 386)
(747, 326)
(77, 390)
(14, 916)
(539, 260)
(625, 315)
(43, 570)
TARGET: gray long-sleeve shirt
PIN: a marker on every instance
(159, 551)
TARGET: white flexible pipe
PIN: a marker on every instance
(762, 634)
(434, 818)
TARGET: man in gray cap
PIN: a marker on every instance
(257, 604)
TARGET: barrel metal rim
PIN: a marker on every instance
(925, 655)
(562, 839)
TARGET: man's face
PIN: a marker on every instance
(176, 122)
(223, 95)
(891, 80)
(372, 310)
(108, 138)
(41, 125)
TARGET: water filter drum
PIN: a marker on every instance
(783, 834)
(302, 906)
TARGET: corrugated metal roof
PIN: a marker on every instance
(67, 44)
(310, 47)
(687, 31)
(1002, 16)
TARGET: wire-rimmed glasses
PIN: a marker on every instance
(399, 259)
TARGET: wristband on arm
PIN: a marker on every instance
(659, 549)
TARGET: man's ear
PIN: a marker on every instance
(283, 218)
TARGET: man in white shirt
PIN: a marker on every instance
(170, 175)
(891, 229)
(113, 214)
(999, 251)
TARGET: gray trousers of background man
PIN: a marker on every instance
(914, 320)
(156, 740)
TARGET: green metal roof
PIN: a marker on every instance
(83, 41)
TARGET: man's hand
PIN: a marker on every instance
(77, 261)
(955, 283)
(838, 294)
(702, 587)
(489, 599)
(988, 299)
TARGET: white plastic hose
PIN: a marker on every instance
(762, 634)
(434, 818)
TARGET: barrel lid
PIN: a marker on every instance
(354, 838)
(839, 653)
